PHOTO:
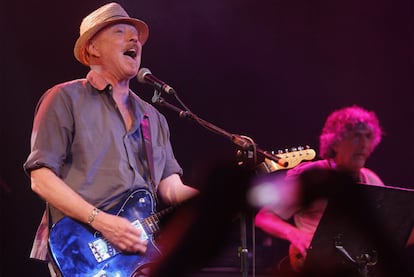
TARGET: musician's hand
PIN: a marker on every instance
(300, 241)
(120, 232)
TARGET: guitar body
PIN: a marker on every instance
(78, 250)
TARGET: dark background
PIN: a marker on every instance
(268, 69)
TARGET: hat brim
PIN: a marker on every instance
(80, 45)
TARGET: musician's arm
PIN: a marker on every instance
(52, 189)
(116, 229)
(172, 190)
(274, 225)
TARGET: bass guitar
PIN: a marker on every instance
(79, 250)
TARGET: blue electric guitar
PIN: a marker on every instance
(79, 250)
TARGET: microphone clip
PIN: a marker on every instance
(156, 98)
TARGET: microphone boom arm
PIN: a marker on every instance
(241, 141)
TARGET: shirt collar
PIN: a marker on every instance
(101, 84)
(97, 80)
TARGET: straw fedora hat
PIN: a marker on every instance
(100, 18)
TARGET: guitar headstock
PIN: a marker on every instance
(293, 157)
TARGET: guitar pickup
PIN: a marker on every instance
(102, 250)
(138, 225)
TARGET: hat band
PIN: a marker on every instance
(120, 15)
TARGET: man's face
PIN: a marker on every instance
(353, 151)
(118, 50)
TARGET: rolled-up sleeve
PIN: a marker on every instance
(52, 131)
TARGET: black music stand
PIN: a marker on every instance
(363, 233)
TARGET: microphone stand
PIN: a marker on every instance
(247, 150)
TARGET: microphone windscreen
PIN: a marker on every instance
(141, 74)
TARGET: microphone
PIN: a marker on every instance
(145, 76)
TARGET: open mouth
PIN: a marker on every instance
(132, 52)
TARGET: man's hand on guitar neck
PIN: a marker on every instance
(120, 232)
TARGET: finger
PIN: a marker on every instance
(135, 248)
(142, 248)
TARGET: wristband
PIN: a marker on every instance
(93, 214)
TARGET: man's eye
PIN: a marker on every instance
(119, 30)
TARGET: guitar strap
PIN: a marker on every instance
(146, 135)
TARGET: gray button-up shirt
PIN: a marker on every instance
(80, 135)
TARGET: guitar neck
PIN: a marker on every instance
(151, 224)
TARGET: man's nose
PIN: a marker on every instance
(365, 141)
(133, 37)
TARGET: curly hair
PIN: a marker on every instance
(340, 122)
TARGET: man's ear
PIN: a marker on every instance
(92, 48)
